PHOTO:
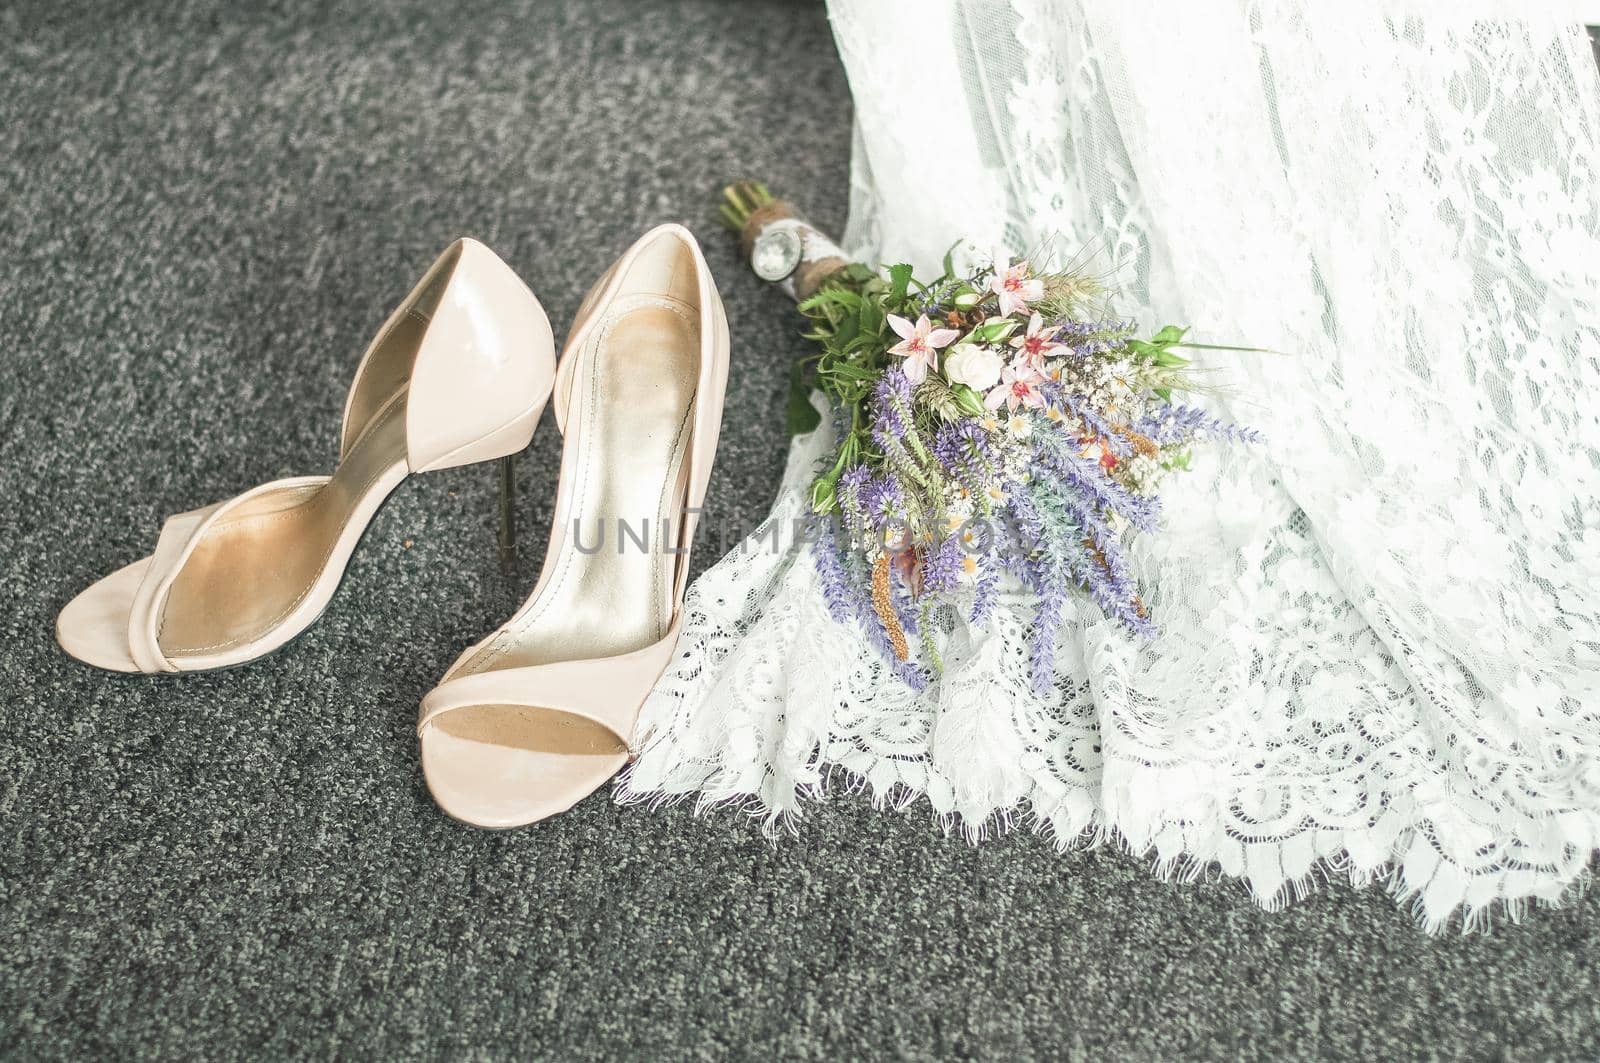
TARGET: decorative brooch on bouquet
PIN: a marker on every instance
(996, 420)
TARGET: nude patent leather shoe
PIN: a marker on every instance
(459, 373)
(541, 713)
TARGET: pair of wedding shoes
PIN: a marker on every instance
(538, 715)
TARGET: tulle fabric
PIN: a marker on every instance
(1380, 653)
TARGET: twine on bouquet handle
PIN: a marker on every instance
(780, 245)
(774, 211)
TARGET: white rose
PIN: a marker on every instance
(977, 367)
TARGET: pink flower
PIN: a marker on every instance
(918, 344)
(1019, 386)
(1015, 288)
(1033, 346)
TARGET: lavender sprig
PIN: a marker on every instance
(1171, 423)
(1045, 578)
(1089, 478)
(1057, 397)
(848, 604)
(941, 567)
(1087, 339)
(988, 592)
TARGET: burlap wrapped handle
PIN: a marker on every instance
(820, 257)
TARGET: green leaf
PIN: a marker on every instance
(871, 318)
(899, 280)
(821, 298)
(848, 330)
(833, 297)
(803, 416)
(1168, 336)
(822, 494)
(970, 400)
(1226, 347)
(851, 371)
(859, 273)
(1164, 393)
(849, 452)
(1168, 360)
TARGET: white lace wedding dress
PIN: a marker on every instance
(1380, 648)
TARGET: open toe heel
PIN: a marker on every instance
(542, 712)
(459, 373)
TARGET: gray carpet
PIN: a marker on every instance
(204, 214)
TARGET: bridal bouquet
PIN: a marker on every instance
(990, 421)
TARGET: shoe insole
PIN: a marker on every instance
(263, 558)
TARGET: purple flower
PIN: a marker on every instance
(1105, 570)
(1096, 560)
(1175, 423)
(941, 566)
(988, 588)
(891, 409)
(888, 427)
(1088, 478)
(851, 486)
(949, 448)
(962, 443)
(1028, 528)
(883, 500)
(1074, 547)
(848, 603)
(853, 478)
(1057, 397)
(1043, 575)
(962, 448)
(837, 590)
(1089, 338)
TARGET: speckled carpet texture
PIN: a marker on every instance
(205, 213)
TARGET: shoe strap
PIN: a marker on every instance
(180, 536)
(608, 691)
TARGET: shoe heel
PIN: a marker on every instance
(509, 439)
(508, 518)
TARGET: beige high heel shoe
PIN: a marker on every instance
(458, 374)
(541, 713)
